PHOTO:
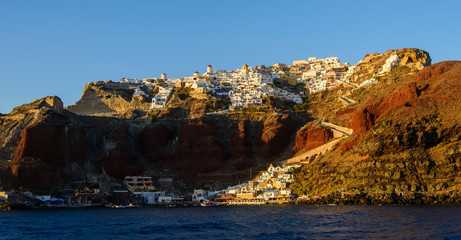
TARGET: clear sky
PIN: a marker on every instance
(56, 47)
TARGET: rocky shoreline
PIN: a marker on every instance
(339, 198)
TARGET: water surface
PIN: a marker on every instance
(247, 222)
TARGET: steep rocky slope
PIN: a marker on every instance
(407, 144)
(58, 147)
(372, 64)
(123, 100)
(110, 97)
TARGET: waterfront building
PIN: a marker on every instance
(199, 195)
(19, 198)
(139, 183)
(87, 197)
(245, 195)
(165, 199)
(149, 197)
(125, 197)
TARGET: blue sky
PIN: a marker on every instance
(56, 47)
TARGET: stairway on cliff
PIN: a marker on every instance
(340, 133)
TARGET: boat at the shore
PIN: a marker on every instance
(207, 204)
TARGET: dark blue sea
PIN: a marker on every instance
(248, 222)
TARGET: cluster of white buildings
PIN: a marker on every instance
(247, 86)
(316, 85)
(321, 74)
(270, 185)
(143, 187)
(313, 67)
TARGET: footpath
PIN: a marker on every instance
(339, 133)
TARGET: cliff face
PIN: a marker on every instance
(193, 149)
(99, 98)
(276, 134)
(59, 147)
(312, 136)
(405, 142)
(133, 101)
(243, 149)
(119, 158)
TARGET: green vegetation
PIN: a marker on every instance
(215, 104)
(183, 93)
(302, 107)
(278, 103)
(291, 81)
(155, 91)
(253, 110)
(289, 84)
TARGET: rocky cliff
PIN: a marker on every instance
(406, 144)
(372, 64)
(99, 98)
(58, 147)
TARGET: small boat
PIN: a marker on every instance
(118, 206)
(207, 204)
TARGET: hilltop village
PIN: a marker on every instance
(246, 87)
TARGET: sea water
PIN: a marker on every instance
(237, 222)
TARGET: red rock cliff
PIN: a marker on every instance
(276, 135)
(121, 161)
(311, 137)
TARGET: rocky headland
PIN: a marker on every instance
(404, 143)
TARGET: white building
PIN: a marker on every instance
(165, 199)
(199, 195)
(316, 85)
(130, 80)
(391, 63)
(139, 92)
(162, 97)
(371, 80)
(305, 61)
(310, 74)
(149, 197)
(331, 60)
